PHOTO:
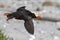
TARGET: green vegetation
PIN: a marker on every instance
(2, 37)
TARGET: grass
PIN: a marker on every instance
(2, 37)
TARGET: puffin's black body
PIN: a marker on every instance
(23, 14)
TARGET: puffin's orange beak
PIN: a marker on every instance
(38, 17)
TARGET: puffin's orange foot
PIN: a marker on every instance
(6, 14)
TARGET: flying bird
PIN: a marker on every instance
(26, 15)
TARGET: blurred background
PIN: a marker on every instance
(44, 30)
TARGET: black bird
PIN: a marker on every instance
(24, 14)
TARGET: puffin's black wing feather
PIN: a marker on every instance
(21, 8)
(29, 25)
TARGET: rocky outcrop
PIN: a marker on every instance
(49, 4)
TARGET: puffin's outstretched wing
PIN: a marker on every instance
(29, 25)
(23, 7)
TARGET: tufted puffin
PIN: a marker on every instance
(26, 15)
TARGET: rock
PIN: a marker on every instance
(2, 6)
(48, 4)
(58, 29)
(37, 9)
